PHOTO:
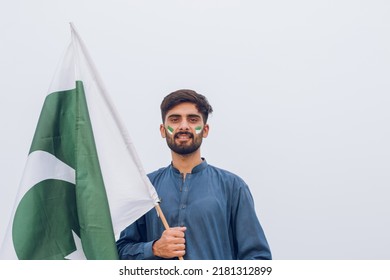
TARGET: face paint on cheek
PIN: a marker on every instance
(198, 129)
(170, 130)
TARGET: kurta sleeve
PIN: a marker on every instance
(131, 244)
(249, 238)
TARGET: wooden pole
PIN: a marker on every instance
(164, 221)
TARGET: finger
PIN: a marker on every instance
(179, 241)
(178, 234)
(180, 231)
(179, 247)
(179, 228)
(175, 233)
(180, 253)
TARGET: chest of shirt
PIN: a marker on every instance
(197, 198)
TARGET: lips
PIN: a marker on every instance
(183, 135)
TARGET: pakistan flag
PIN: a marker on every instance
(70, 201)
(83, 182)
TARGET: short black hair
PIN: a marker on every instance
(186, 95)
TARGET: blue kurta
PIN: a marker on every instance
(215, 205)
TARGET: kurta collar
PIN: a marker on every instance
(196, 169)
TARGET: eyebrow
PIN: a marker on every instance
(187, 116)
(194, 116)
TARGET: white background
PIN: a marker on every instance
(300, 91)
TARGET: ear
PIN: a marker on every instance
(162, 131)
(206, 129)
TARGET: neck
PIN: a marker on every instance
(185, 163)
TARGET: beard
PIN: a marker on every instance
(184, 148)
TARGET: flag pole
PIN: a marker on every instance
(164, 221)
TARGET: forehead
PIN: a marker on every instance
(184, 109)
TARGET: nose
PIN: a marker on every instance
(184, 126)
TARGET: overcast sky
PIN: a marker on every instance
(300, 91)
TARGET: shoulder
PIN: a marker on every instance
(231, 184)
(158, 173)
(226, 176)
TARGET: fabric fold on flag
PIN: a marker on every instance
(83, 181)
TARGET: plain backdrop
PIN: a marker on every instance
(300, 91)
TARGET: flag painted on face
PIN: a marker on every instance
(198, 129)
(83, 181)
(170, 130)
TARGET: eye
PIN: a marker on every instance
(193, 119)
(174, 119)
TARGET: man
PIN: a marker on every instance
(210, 210)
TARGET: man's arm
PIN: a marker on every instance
(133, 243)
(249, 235)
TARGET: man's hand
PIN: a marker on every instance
(171, 244)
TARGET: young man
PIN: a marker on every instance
(210, 210)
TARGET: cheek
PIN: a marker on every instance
(198, 129)
(169, 130)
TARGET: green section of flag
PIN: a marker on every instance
(44, 220)
(64, 130)
(56, 129)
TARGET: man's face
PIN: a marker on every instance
(184, 129)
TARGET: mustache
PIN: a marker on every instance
(189, 134)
